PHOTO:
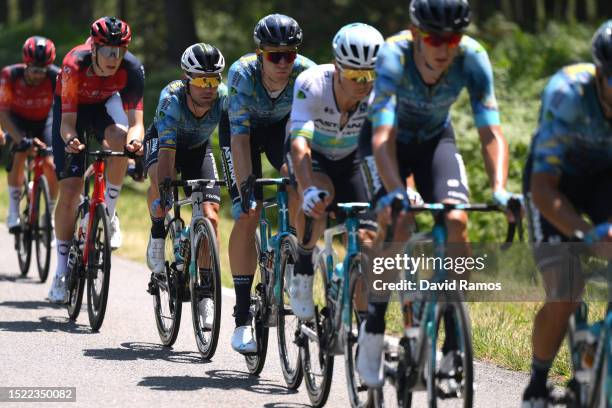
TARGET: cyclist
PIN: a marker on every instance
(260, 96)
(187, 114)
(330, 104)
(100, 87)
(420, 73)
(26, 97)
(568, 172)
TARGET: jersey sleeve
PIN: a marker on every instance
(52, 75)
(550, 148)
(303, 108)
(241, 89)
(167, 116)
(389, 71)
(480, 85)
(70, 85)
(6, 90)
(132, 94)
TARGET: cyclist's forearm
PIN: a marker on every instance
(9, 126)
(555, 206)
(302, 160)
(68, 127)
(494, 149)
(136, 128)
(165, 165)
(383, 147)
(241, 156)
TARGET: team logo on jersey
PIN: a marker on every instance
(301, 94)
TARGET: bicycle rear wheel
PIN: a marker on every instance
(457, 383)
(42, 228)
(76, 272)
(255, 362)
(317, 360)
(205, 286)
(288, 325)
(23, 236)
(98, 268)
(166, 290)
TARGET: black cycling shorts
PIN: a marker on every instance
(266, 139)
(196, 163)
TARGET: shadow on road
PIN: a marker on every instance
(48, 324)
(18, 278)
(285, 405)
(144, 351)
(217, 379)
(31, 304)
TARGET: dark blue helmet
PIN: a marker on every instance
(277, 30)
(440, 16)
(602, 47)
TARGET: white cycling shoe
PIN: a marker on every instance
(12, 222)
(207, 309)
(116, 240)
(243, 341)
(155, 255)
(369, 358)
(300, 296)
(58, 293)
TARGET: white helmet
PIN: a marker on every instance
(356, 45)
(202, 58)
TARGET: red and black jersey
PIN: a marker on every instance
(78, 85)
(28, 102)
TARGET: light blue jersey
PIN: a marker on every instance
(250, 105)
(177, 127)
(573, 136)
(419, 111)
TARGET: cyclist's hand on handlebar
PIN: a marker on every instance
(135, 146)
(600, 239)
(248, 204)
(509, 201)
(383, 206)
(74, 146)
(315, 201)
(39, 143)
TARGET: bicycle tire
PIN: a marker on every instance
(466, 376)
(168, 333)
(43, 228)
(255, 362)
(318, 393)
(291, 365)
(76, 275)
(350, 340)
(202, 287)
(99, 262)
(23, 237)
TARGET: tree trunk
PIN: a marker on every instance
(181, 28)
(82, 11)
(4, 11)
(604, 9)
(26, 9)
(56, 10)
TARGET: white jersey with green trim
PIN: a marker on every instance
(316, 117)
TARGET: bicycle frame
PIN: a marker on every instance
(97, 198)
(37, 168)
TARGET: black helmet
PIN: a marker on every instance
(438, 16)
(602, 47)
(202, 58)
(277, 29)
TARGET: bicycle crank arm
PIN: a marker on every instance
(308, 332)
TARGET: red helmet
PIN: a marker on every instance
(38, 51)
(111, 31)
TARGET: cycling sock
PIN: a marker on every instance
(304, 261)
(242, 287)
(363, 315)
(539, 375)
(376, 317)
(450, 331)
(157, 228)
(14, 195)
(110, 197)
(63, 248)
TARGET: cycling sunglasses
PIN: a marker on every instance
(436, 40)
(111, 52)
(205, 82)
(37, 70)
(276, 56)
(360, 76)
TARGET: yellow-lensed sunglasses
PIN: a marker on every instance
(206, 82)
(358, 75)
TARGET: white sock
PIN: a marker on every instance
(63, 248)
(110, 198)
(14, 195)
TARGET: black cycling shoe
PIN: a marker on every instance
(536, 396)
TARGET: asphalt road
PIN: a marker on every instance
(125, 365)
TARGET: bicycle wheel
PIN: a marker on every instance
(42, 228)
(76, 272)
(358, 392)
(98, 268)
(205, 286)
(317, 360)
(23, 236)
(166, 290)
(255, 362)
(288, 325)
(458, 382)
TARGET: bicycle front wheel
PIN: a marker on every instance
(205, 286)
(23, 236)
(42, 228)
(451, 375)
(98, 268)
(288, 325)
(76, 273)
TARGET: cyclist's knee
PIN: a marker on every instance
(247, 222)
(211, 211)
(456, 222)
(115, 137)
(562, 310)
(70, 189)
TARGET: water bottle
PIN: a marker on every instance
(181, 248)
